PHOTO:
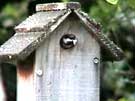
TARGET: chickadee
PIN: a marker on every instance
(68, 41)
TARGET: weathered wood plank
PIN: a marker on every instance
(68, 75)
(25, 80)
(58, 6)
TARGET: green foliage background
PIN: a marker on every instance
(118, 23)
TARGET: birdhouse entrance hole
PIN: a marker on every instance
(68, 41)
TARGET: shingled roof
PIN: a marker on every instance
(35, 29)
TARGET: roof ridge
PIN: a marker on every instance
(58, 6)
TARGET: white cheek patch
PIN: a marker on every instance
(75, 41)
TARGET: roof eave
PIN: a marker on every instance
(35, 44)
(94, 28)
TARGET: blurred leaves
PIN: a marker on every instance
(102, 12)
(131, 3)
(10, 10)
(118, 23)
(10, 16)
(65, 0)
(114, 2)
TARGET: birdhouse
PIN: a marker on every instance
(57, 52)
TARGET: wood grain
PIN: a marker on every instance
(68, 75)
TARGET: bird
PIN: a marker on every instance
(68, 41)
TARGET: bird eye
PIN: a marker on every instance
(68, 41)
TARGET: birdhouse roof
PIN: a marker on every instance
(36, 28)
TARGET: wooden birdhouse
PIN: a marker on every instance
(57, 52)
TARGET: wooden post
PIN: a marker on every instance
(25, 79)
(2, 94)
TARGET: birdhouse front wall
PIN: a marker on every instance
(65, 74)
